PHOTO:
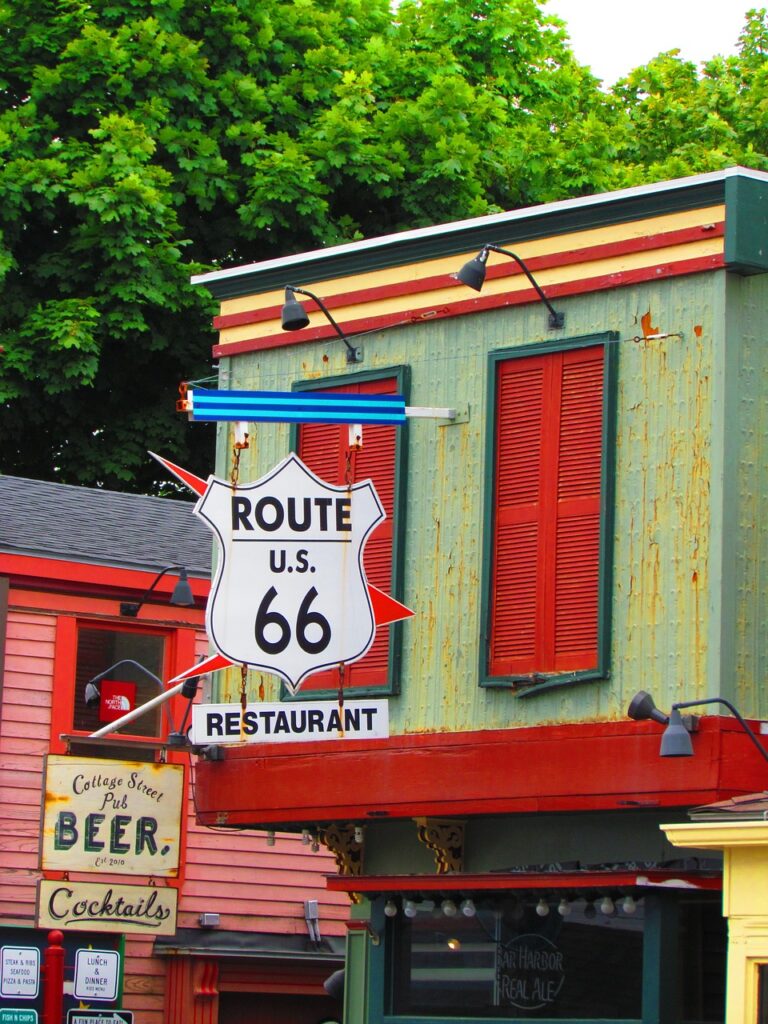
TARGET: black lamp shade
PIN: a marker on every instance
(472, 274)
(293, 316)
(642, 708)
(182, 593)
(676, 741)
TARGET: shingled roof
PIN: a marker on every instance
(100, 527)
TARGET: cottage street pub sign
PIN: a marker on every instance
(118, 817)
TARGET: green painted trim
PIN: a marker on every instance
(121, 970)
(746, 225)
(557, 682)
(402, 375)
(601, 670)
(661, 991)
(464, 236)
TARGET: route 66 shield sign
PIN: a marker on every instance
(290, 594)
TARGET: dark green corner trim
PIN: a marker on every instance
(746, 225)
(601, 671)
(402, 375)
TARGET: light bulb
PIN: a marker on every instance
(449, 908)
(409, 908)
(563, 907)
(390, 909)
(468, 908)
(454, 944)
(589, 910)
(270, 838)
(606, 905)
(358, 834)
(542, 907)
(629, 906)
(306, 838)
(315, 844)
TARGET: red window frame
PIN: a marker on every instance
(179, 653)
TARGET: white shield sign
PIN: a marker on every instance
(290, 594)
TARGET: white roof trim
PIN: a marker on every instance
(490, 221)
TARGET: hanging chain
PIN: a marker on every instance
(348, 474)
(240, 444)
(235, 474)
(243, 687)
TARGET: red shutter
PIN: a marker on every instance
(323, 448)
(543, 613)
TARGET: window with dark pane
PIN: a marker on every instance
(97, 650)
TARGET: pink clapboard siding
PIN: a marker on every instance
(254, 887)
(25, 727)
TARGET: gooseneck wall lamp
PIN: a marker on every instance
(676, 739)
(472, 274)
(182, 595)
(294, 318)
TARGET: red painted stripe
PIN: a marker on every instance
(473, 305)
(506, 268)
(596, 766)
(518, 880)
(31, 569)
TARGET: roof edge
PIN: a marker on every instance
(456, 236)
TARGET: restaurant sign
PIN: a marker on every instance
(278, 723)
(114, 817)
(103, 907)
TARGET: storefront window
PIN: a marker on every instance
(517, 959)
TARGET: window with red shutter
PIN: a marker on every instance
(545, 609)
(325, 449)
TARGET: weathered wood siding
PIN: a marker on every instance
(667, 541)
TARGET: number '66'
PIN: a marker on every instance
(304, 619)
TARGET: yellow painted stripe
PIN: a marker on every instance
(551, 245)
(708, 246)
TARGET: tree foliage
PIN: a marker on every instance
(146, 140)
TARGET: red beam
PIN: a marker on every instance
(501, 882)
(594, 766)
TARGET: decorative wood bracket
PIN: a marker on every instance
(340, 840)
(206, 982)
(445, 838)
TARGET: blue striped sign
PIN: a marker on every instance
(297, 407)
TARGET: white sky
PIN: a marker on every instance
(614, 36)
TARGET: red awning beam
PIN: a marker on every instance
(573, 880)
